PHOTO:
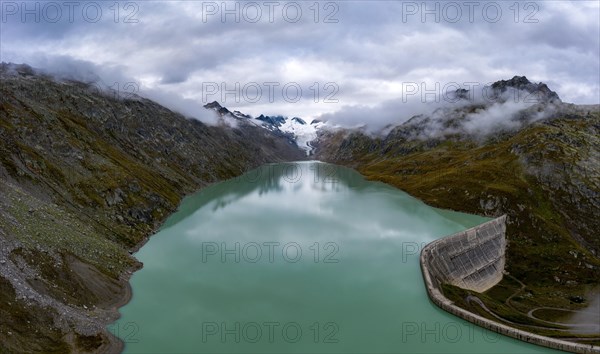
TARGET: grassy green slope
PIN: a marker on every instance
(546, 178)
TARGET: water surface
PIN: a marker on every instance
(304, 258)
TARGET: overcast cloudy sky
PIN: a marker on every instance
(349, 57)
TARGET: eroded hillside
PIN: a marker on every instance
(85, 178)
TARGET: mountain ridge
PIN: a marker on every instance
(544, 174)
(85, 179)
(295, 129)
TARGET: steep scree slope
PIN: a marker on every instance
(84, 179)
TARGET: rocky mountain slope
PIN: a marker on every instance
(540, 165)
(84, 179)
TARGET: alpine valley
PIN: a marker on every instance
(87, 177)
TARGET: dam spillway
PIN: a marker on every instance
(472, 259)
(358, 228)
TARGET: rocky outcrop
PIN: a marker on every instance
(535, 91)
(275, 121)
(85, 178)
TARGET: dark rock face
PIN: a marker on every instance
(536, 92)
(241, 115)
(276, 121)
(215, 106)
(461, 94)
(299, 120)
(518, 89)
(84, 179)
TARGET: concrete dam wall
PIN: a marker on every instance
(472, 259)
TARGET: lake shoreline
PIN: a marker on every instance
(353, 191)
(116, 344)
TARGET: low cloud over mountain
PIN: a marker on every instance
(172, 50)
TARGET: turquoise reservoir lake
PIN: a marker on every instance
(302, 258)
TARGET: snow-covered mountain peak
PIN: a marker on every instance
(304, 133)
(296, 128)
